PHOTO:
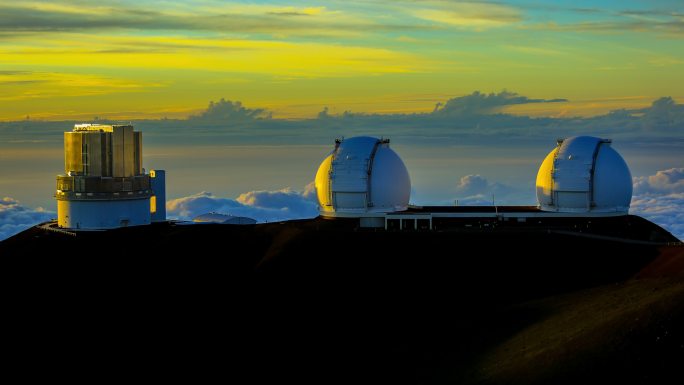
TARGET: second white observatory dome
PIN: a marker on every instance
(584, 174)
(360, 177)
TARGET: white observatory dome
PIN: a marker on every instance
(362, 176)
(584, 174)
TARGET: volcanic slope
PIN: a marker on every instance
(324, 301)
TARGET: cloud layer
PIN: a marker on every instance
(485, 114)
(264, 206)
(477, 190)
(664, 181)
(228, 111)
(479, 103)
(660, 198)
(15, 217)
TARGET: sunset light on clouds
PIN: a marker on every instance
(70, 59)
(238, 98)
(404, 191)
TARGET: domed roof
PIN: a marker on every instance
(361, 176)
(584, 174)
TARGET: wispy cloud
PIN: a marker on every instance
(274, 58)
(363, 52)
(535, 50)
(18, 85)
(671, 28)
(220, 17)
(481, 103)
(472, 15)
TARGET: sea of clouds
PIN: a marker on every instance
(658, 198)
(264, 206)
(15, 218)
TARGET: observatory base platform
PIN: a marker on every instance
(325, 301)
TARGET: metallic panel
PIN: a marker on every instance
(348, 200)
(122, 151)
(106, 153)
(572, 168)
(129, 151)
(97, 185)
(73, 144)
(137, 153)
(117, 153)
(93, 153)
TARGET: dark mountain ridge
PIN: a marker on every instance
(326, 301)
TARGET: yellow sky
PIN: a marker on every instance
(130, 60)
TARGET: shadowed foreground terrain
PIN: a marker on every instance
(323, 301)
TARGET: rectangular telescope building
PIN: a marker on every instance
(105, 185)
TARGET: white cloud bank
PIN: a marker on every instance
(15, 217)
(477, 190)
(660, 199)
(665, 210)
(264, 206)
(664, 181)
